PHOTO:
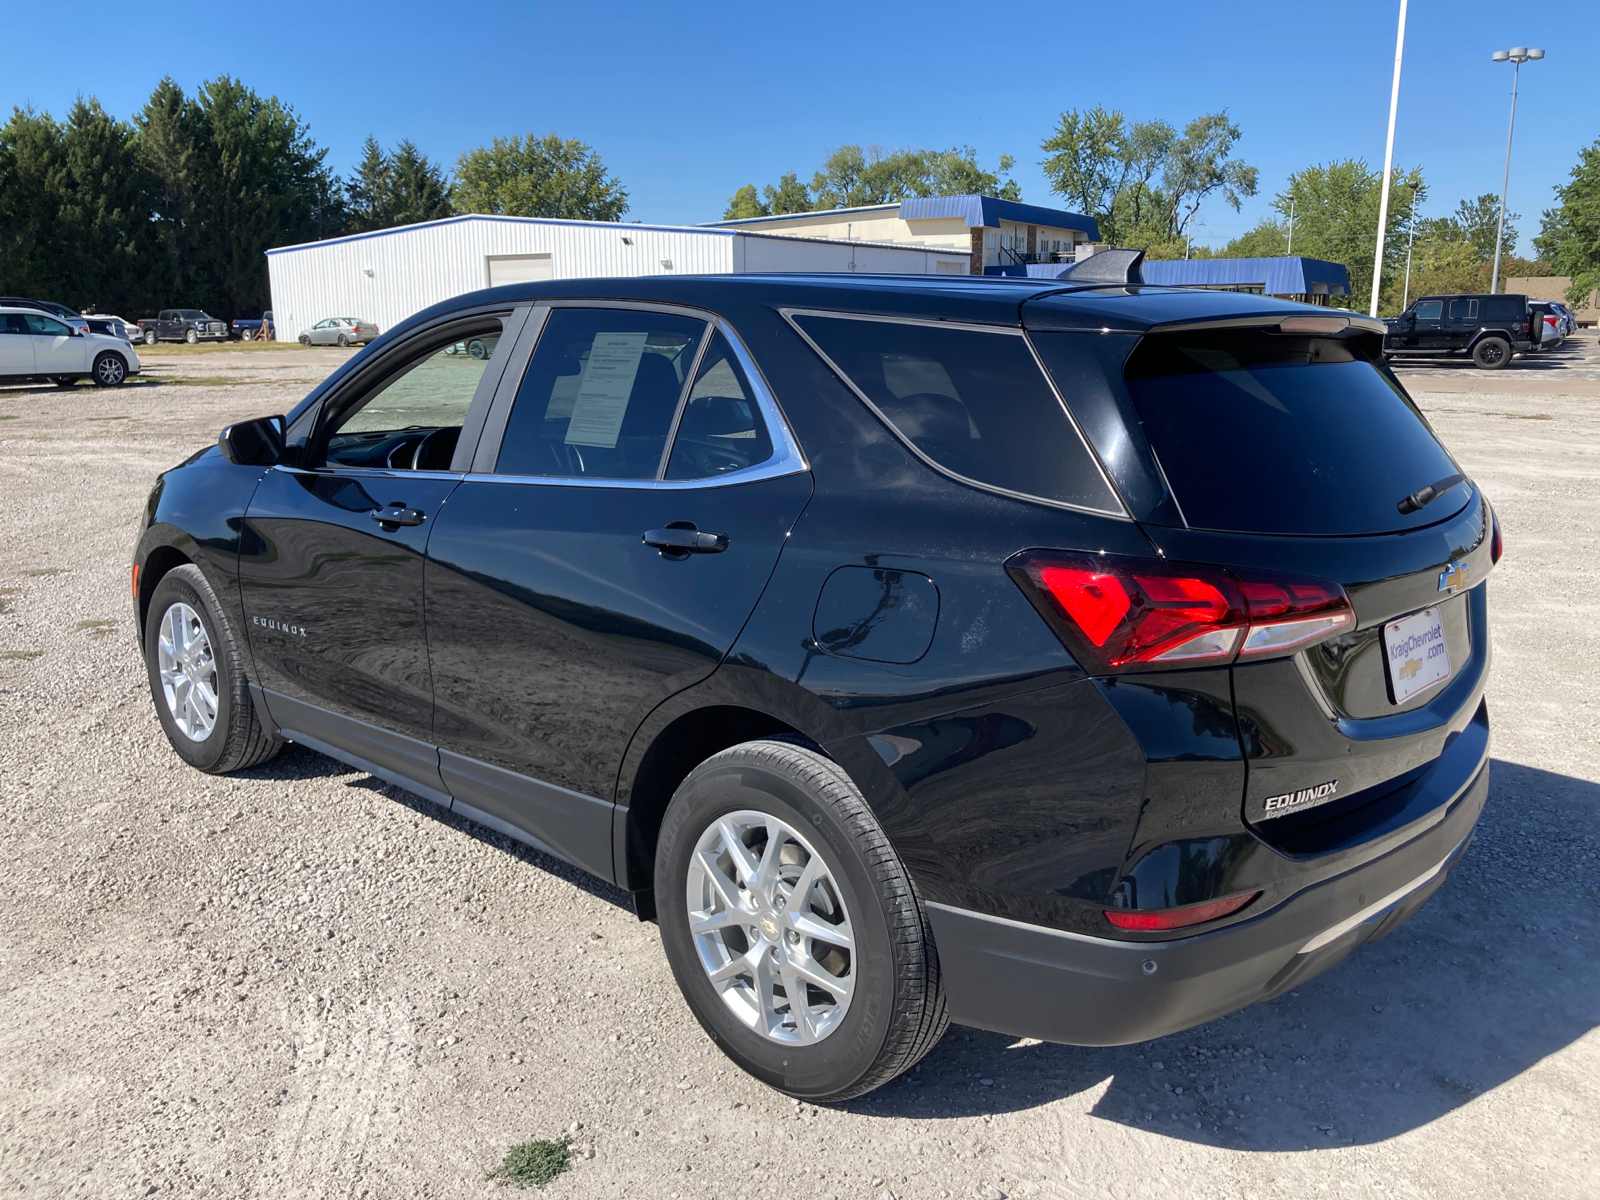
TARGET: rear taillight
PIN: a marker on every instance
(1120, 614)
(1153, 920)
(1496, 543)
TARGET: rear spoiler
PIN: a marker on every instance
(1325, 325)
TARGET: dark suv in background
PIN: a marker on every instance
(1486, 329)
(1072, 658)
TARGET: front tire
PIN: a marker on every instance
(197, 678)
(191, 337)
(773, 876)
(109, 369)
(1492, 354)
(305, 339)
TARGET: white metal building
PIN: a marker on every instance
(386, 276)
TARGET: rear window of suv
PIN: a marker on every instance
(1262, 432)
(973, 402)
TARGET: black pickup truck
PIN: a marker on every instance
(183, 325)
(1486, 329)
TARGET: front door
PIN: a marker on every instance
(599, 563)
(55, 349)
(16, 345)
(1427, 331)
(331, 562)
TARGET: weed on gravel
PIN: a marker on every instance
(532, 1163)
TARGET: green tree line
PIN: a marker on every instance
(177, 205)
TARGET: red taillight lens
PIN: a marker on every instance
(1135, 614)
(1496, 543)
(1177, 918)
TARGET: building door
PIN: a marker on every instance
(519, 268)
(331, 562)
(582, 574)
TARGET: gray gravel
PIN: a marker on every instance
(300, 981)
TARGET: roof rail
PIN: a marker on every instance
(1108, 266)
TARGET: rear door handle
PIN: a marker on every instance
(397, 514)
(682, 539)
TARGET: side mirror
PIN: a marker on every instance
(257, 443)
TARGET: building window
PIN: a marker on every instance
(988, 240)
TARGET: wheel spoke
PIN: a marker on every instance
(796, 900)
(706, 922)
(799, 1004)
(744, 863)
(766, 978)
(724, 886)
(836, 986)
(811, 926)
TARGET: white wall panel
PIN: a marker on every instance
(387, 277)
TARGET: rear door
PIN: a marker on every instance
(1464, 321)
(624, 513)
(331, 562)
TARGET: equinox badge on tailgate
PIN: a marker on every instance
(1304, 798)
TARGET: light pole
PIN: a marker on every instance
(1411, 240)
(1291, 224)
(1388, 163)
(1517, 55)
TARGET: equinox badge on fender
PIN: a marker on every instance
(1305, 798)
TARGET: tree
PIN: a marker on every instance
(402, 188)
(1144, 182)
(537, 177)
(1569, 238)
(852, 177)
(167, 137)
(790, 196)
(745, 203)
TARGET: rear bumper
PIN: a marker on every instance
(1032, 981)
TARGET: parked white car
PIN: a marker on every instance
(120, 326)
(35, 345)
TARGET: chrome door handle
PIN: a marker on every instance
(396, 514)
(682, 539)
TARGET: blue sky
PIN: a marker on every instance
(686, 104)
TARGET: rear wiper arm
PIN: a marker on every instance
(1423, 497)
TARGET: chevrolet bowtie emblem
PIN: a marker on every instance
(1454, 578)
(1413, 665)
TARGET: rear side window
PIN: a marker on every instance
(1266, 433)
(600, 394)
(975, 403)
(1505, 308)
(721, 429)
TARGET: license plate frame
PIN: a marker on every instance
(1416, 654)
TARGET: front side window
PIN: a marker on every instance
(413, 421)
(1430, 310)
(48, 326)
(600, 394)
(975, 403)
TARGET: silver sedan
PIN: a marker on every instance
(339, 331)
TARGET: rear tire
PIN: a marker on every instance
(110, 370)
(150, 337)
(892, 1011)
(1492, 353)
(343, 340)
(246, 334)
(197, 678)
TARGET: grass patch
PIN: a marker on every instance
(14, 417)
(36, 572)
(96, 628)
(19, 655)
(250, 347)
(532, 1164)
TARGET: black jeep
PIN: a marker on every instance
(1484, 328)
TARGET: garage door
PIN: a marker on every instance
(519, 268)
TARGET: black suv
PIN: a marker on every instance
(1486, 329)
(1073, 659)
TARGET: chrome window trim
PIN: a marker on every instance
(368, 472)
(1120, 513)
(786, 459)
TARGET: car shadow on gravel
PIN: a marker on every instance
(1493, 975)
(299, 762)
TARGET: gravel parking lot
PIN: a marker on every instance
(300, 981)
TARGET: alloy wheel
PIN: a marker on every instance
(110, 370)
(770, 927)
(188, 669)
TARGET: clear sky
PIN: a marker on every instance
(686, 104)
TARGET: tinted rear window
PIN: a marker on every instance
(973, 402)
(1504, 308)
(1265, 433)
